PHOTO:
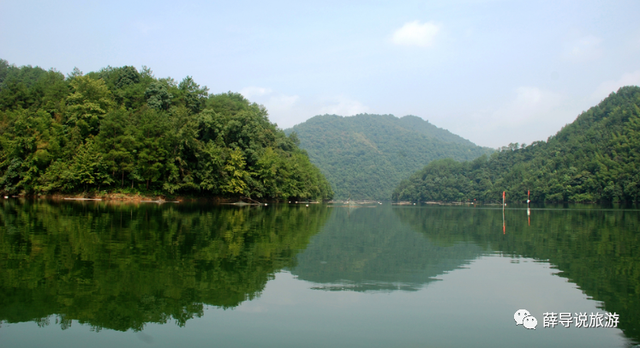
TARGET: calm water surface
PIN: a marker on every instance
(73, 274)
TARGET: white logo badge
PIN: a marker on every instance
(524, 318)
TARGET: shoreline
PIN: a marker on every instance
(147, 198)
(127, 197)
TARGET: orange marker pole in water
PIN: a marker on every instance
(504, 227)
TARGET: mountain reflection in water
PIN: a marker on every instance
(596, 249)
(405, 248)
(121, 266)
(371, 249)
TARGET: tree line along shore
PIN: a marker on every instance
(124, 131)
(120, 133)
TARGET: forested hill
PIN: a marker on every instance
(595, 158)
(366, 156)
(124, 130)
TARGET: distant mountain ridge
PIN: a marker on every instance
(418, 124)
(365, 156)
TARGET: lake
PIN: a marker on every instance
(74, 274)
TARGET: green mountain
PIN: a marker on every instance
(124, 130)
(366, 156)
(595, 158)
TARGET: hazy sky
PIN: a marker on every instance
(494, 72)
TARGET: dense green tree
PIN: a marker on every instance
(118, 143)
(192, 95)
(88, 104)
(127, 85)
(158, 96)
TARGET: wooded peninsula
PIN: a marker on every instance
(594, 159)
(120, 130)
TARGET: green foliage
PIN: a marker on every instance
(596, 158)
(127, 85)
(158, 96)
(88, 104)
(119, 129)
(366, 156)
(192, 95)
(235, 173)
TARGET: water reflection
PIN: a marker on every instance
(596, 249)
(370, 249)
(121, 266)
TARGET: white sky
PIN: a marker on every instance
(494, 72)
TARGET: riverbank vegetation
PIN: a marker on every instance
(595, 158)
(126, 131)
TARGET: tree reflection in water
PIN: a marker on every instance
(119, 266)
(596, 249)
